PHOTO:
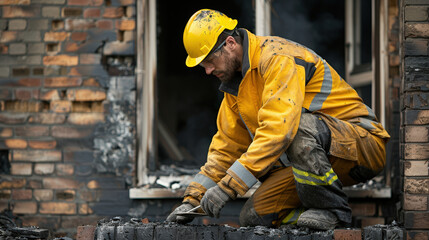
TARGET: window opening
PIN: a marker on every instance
(188, 99)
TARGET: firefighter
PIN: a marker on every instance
(287, 120)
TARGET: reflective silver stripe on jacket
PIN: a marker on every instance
(244, 174)
(321, 96)
(204, 180)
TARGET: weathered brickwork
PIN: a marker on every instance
(415, 117)
(67, 132)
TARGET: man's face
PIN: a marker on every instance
(221, 63)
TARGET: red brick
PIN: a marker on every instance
(14, 183)
(37, 155)
(416, 151)
(61, 60)
(130, 11)
(65, 195)
(44, 168)
(113, 12)
(127, 2)
(60, 183)
(25, 208)
(90, 58)
(347, 234)
(6, 132)
(3, 48)
(85, 118)
(92, 13)
(95, 107)
(56, 36)
(5, 94)
(70, 132)
(33, 184)
(64, 169)
(79, 24)
(43, 194)
(12, 118)
(8, 36)
(85, 232)
(93, 184)
(47, 118)
(33, 131)
(61, 106)
(17, 12)
(79, 36)
(22, 194)
(415, 202)
(71, 47)
(57, 208)
(125, 25)
(88, 195)
(371, 221)
(363, 209)
(15, 2)
(91, 82)
(22, 106)
(416, 168)
(417, 235)
(416, 186)
(416, 134)
(42, 144)
(21, 168)
(5, 194)
(16, 143)
(416, 219)
(30, 82)
(49, 95)
(85, 2)
(86, 95)
(27, 94)
(71, 12)
(104, 24)
(84, 209)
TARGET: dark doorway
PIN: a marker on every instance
(188, 99)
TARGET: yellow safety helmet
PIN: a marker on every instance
(201, 33)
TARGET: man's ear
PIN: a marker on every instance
(231, 43)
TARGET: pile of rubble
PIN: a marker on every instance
(118, 229)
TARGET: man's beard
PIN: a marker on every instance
(232, 65)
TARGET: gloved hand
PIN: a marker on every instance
(173, 217)
(213, 201)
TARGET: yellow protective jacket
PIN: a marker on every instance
(260, 113)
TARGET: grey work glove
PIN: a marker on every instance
(213, 201)
(173, 217)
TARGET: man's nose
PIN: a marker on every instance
(209, 69)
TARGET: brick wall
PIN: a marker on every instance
(67, 99)
(415, 117)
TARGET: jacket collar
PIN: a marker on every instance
(232, 86)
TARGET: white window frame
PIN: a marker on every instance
(378, 75)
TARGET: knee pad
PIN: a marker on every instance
(313, 129)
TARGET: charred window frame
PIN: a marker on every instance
(366, 61)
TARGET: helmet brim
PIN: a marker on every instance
(192, 62)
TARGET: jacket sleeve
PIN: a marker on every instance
(278, 121)
(231, 140)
